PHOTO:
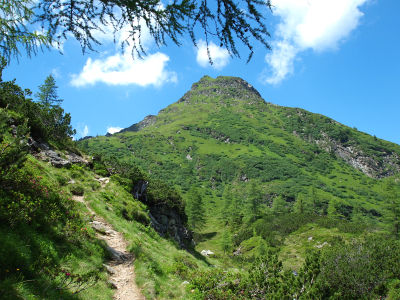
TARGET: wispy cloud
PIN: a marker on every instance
(56, 73)
(219, 56)
(319, 25)
(82, 130)
(113, 130)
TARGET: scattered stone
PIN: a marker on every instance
(185, 282)
(44, 152)
(109, 269)
(112, 284)
(98, 226)
(118, 255)
(206, 252)
(104, 180)
(321, 245)
(310, 238)
(244, 178)
(76, 159)
(238, 251)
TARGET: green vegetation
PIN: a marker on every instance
(361, 270)
(270, 180)
(47, 94)
(196, 210)
(49, 250)
(284, 217)
(46, 123)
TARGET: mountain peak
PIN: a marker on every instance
(222, 86)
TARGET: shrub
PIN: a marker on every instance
(77, 190)
(133, 211)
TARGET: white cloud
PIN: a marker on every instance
(113, 130)
(122, 68)
(219, 56)
(319, 25)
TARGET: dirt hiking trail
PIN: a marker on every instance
(120, 267)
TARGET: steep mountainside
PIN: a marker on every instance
(222, 134)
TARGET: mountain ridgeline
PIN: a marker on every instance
(222, 134)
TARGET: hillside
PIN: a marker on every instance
(277, 184)
(219, 196)
(222, 133)
(69, 229)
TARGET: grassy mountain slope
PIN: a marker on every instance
(273, 187)
(277, 183)
(223, 133)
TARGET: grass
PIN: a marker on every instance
(271, 145)
(310, 236)
(37, 259)
(155, 257)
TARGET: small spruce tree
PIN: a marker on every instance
(393, 207)
(279, 205)
(196, 211)
(254, 200)
(226, 242)
(47, 94)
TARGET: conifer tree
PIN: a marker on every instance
(279, 205)
(227, 22)
(393, 207)
(226, 241)
(236, 210)
(299, 204)
(303, 205)
(196, 211)
(227, 195)
(254, 200)
(47, 94)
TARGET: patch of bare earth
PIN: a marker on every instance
(120, 267)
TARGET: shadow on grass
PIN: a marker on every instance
(201, 237)
(31, 258)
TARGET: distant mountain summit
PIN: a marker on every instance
(222, 134)
(222, 88)
(235, 96)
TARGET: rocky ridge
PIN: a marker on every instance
(56, 158)
(223, 87)
(387, 165)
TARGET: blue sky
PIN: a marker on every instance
(340, 58)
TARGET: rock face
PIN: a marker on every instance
(167, 221)
(374, 157)
(388, 164)
(43, 152)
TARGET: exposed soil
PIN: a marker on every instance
(120, 267)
